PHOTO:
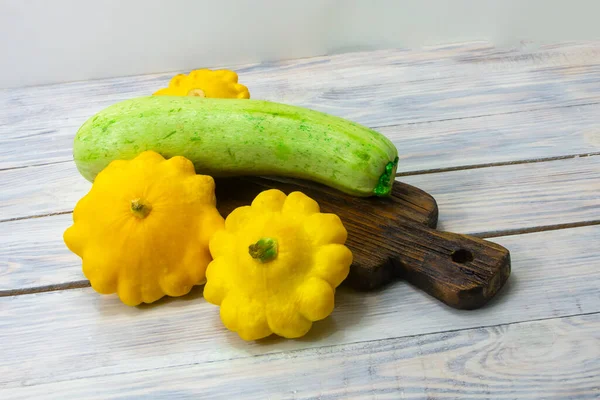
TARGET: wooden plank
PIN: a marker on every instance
(47, 189)
(500, 138)
(472, 201)
(545, 133)
(33, 254)
(490, 200)
(71, 334)
(377, 89)
(557, 358)
(507, 191)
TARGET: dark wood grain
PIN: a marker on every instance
(395, 238)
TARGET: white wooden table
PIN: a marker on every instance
(508, 142)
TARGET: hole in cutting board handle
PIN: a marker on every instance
(462, 256)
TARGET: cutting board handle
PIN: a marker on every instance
(393, 238)
(460, 270)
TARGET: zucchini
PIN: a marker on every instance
(231, 137)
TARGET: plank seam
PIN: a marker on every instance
(37, 216)
(35, 165)
(495, 164)
(544, 228)
(46, 288)
(488, 115)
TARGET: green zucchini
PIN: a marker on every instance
(230, 137)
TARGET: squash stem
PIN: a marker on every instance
(264, 250)
(139, 209)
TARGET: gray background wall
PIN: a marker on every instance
(47, 41)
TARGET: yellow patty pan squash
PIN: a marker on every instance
(221, 83)
(143, 229)
(276, 266)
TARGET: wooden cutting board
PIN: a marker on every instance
(395, 238)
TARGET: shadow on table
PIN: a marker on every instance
(504, 294)
(195, 294)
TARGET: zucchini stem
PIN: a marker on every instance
(386, 180)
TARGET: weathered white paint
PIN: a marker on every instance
(556, 358)
(393, 343)
(56, 336)
(379, 89)
(470, 201)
